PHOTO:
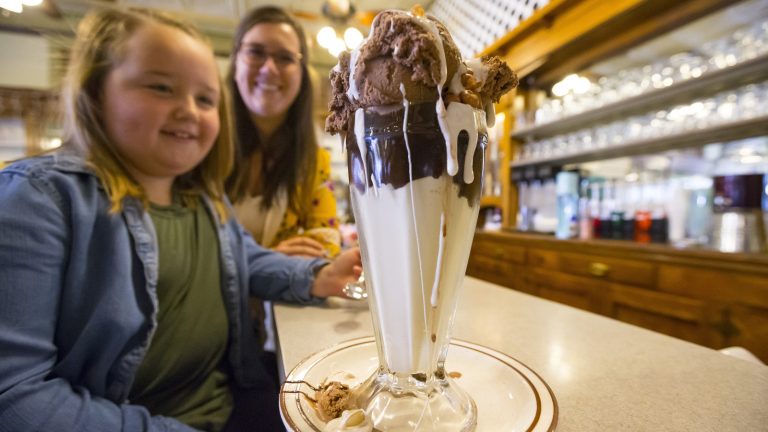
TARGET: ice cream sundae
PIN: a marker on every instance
(413, 115)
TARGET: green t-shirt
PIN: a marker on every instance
(183, 374)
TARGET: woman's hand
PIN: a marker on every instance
(331, 279)
(302, 247)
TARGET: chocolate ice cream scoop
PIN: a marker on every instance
(404, 56)
(402, 48)
(410, 56)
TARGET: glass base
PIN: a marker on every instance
(396, 402)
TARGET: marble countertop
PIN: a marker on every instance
(606, 375)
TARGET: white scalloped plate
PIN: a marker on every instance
(509, 395)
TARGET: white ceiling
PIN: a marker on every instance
(217, 18)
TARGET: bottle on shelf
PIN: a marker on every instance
(594, 206)
(677, 208)
(643, 215)
(606, 209)
(659, 230)
(629, 202)
(527, 211)
(544, 201)
(585, 216)
(567, 205)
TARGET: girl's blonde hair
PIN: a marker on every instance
(99, 46)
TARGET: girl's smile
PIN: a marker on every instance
(161, 106)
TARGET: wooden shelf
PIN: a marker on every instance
(753, 127)
(684, 91)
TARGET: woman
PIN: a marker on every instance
(280, 181)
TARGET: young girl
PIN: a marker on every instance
(124, 278)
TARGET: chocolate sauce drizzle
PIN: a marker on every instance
(387, 155)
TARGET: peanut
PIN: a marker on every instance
(469, 82)
(417, 10)
(451, 97)
(471, 98)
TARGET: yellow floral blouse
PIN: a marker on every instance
(320, 221)
(273, 225)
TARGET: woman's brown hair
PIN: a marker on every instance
(289, 160)
(99, 46)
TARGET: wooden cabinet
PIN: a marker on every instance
(501, 261)
(575, 291)
(684, 317)
(709, 298)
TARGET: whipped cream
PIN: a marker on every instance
(350, 421)
(415, 264)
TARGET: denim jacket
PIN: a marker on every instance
(78, 301)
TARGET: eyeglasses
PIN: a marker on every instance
(256, 55)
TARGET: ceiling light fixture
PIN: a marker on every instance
(11, 5)
(326, 36)
(17, 6)
(353, 37)
(329, 39)
(337, 47)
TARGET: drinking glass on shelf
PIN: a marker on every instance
(646, 73)
(748, 102)
(634, 128)
(727, 107)
(703, 117)
(760, 34)
(545, 147)
(656, 78)
(761, 92)
(646, 128)
(559, 146)
(722, 53)
(687, 65)
(659, 123)
(518, 153)
(527, 152)
(745, 41)
(616, 133)
(592, 97)
(609, 92)
(585, 140)
(600, 134)
(543, 113)
(629, 85)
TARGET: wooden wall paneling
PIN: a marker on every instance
(683, 317)
(748, 288)
(745, 326)
(580, 292)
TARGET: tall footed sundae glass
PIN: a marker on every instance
(415, 225)
(414, 118)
